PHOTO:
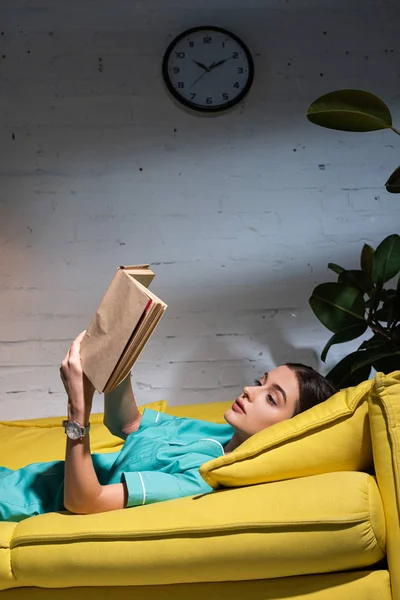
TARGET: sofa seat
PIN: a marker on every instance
(353, 585)
(318, 524)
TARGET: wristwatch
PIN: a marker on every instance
(74, 430)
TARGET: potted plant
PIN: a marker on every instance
(359, 301)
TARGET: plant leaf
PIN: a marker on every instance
(346, 335)
(376, 297)
(358, 279)
(376, 341)
(396, 336)
(368, 357)
(366, 258)
(382, 314)
(393, 303)
(342, 376)
(388, 308)
(393, 183)
(387, 364)
(335, 268)
(386, 259)
(350, 110)
(397, 301)
(337, 306)
(392, 309)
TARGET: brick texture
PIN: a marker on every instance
(238, 214)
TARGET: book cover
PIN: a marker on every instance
(123, 322)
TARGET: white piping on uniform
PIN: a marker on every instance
(143, 487)
(157, 417)
(215, 442)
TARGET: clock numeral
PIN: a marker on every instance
(180, 54)
(235, 55)
(236, 85)
(209, 100)
(176, 70)
(207, 39)
(191, 44)
(181, 84)
(240, 70)
(223, 43)
(225, 96)
(192, 96)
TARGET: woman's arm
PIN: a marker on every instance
(121, 415)
(82, 491)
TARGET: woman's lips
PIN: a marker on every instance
(237, 407)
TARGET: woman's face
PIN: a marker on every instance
(271, 399)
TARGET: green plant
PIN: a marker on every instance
(354, 110)
(358, 301)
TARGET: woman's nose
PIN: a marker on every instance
(247, 392)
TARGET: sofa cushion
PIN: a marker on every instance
(332, 436)
(325, 523)
(384, 409)
(37, 440)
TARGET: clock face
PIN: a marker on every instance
(208, 69)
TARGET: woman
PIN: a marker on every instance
(161, 456)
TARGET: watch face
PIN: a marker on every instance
(74, 431)
(208, 69)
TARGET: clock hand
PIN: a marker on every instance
(199, 64)
(207, 70)
(198, 78)
(221, 62)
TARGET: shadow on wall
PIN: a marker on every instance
(237, 370)
(220, 340)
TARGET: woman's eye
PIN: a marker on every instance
(257, 382)
(270, 399)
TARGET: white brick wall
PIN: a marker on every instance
(239, 214)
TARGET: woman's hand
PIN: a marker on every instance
(79, 389)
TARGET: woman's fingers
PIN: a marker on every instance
(71, 372)
(76, 344)
(73, 353)
(80, 337)
(72, 358)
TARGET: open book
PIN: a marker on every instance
(124, 321)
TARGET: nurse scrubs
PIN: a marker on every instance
(160, 461)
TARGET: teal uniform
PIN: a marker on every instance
(160, 461)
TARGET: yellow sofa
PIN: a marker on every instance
(318, 517)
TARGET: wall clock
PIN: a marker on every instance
(208, 69)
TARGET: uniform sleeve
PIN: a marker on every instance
(147, 487)
(152, 418)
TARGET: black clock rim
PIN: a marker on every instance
(187, 103)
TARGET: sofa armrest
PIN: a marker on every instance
(384, 413)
